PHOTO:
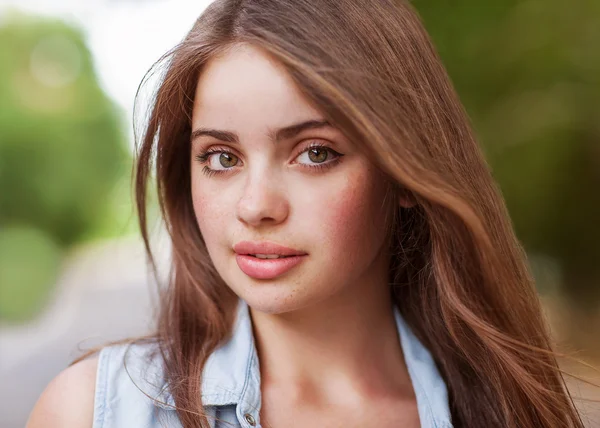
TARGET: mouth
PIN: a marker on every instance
(267, 256)
(267, 268)
(266, 260)
(265, 250)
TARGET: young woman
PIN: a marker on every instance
(341, 254)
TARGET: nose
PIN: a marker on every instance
(263, 201)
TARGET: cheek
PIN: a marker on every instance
(210, 212)
(351, 217)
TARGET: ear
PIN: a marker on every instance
(406, 199)
(402, 196)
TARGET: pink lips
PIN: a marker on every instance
(266, 268)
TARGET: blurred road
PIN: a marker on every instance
(103, 294)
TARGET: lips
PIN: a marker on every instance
(266, 268)
(265, 248)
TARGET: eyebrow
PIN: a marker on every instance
(281, 134)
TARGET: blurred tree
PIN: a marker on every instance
(529, 75)
(29, 261)
(62, 147)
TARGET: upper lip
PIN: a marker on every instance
(265, 247)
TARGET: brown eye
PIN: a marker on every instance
(317, 154)
(227, 160)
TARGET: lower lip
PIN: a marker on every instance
(266, 268)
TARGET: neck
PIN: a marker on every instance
(348, 341)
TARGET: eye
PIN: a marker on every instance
(318, 155)
(225, 160)
(315, 154)
(217, 160)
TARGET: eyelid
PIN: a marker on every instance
(219, 148)
(320, 143)
(311, 142)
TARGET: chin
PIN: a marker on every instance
(268, 303)
(275, 298)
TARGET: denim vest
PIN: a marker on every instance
(131, 390)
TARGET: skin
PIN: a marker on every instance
(68, 400)
(320, 360)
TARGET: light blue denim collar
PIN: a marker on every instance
(231, 375)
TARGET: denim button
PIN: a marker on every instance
(250, 419)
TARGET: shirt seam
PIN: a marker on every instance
(405, 335)
(102, 381)
(423, 393)
(248, 374)
(222, 396)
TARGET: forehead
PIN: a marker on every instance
(246, 89)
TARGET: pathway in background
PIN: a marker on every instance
(104, 294)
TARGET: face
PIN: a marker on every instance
(267, 168)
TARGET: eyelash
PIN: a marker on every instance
(203, 157)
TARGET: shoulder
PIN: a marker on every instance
(68, 400)
(116, 387)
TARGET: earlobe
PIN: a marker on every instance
(401, 195)
(406, 199)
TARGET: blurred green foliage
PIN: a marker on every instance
(29, 260)
(528, 72)
(62, 150)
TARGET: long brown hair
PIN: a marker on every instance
(459, 275)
